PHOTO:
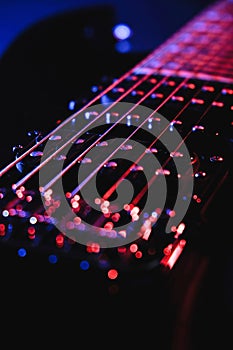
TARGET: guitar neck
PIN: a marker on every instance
(201, 49)
(185, 86)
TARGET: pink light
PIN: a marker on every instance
(133, 248)
(29, 198)
(112, 274)
(108, 226)
(217, 104)
(170, 260)
(146, 234)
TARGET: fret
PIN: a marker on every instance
(196, 50)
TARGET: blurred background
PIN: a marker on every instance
(151, 21)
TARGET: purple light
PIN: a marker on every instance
(122, 32)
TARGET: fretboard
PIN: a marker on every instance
(201, 49)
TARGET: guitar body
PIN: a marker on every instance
(175, 287)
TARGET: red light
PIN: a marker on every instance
(31, 232)
(167, 251)
(93, 248)
(112, 274)
(116, 217)
(59, 240)
(2, 230)
(138, 254)
(153, 80)
(121, 250)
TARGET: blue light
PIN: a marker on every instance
(71, 105)
(122, 31)
(123, 46)
(53, 259)
(94, 88)
(84, 265)
(22, 252)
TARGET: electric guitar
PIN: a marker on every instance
(130, 187)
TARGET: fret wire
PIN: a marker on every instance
(79, 187)
(142, 192)
(99, 139)
(110, 191)
(144, 62)
(35, 170)
(72, 116)
(103, 135)
(140, 64)
(58, 176)
(161, 52)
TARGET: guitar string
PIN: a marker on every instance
(114, 186)
(78, 188)
(58, 176)
(151, 181)
(80, 132)
(86, 127)
(145, 60)
(101, 137)
(74, 115)
(150, 57)
(35, 170)
(140, 195)
(126, 173)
